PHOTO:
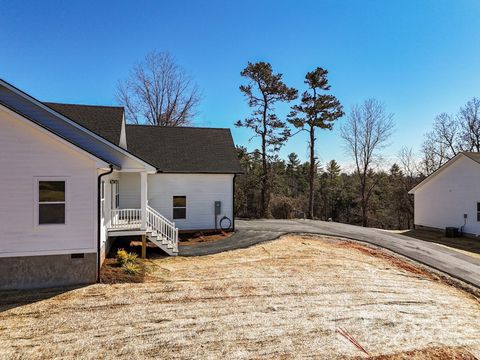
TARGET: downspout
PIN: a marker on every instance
(99, 217)
(233, 202)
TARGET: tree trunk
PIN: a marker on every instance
(265, 195)
(364, 203)
(311, 179)
(264, 192)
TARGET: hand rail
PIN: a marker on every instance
(160, 215)
(163, 226)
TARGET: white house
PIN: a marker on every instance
(450, 197)
(74, 177)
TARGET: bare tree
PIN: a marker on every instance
(468, 120)
(410, 168)
(451, 135)
(158, 92)
(365, 133)
(434, 153)
(408, 162)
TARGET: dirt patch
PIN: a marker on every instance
(200, 237)
(112, 273)
(282, 299)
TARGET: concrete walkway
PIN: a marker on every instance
(252, 232)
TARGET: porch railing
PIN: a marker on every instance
(126, 218)
(164, 227)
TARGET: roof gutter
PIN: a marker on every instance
(99, 218)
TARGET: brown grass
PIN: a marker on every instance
(466, 245)
(283, 299)
(429, 354)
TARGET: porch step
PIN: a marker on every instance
(167, 246)
(162, 232)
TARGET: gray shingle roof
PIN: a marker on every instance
(475, 156)
(105, 121)
(184, 149)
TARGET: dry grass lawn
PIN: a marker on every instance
(283, 299)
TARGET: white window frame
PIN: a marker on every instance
(179, 207)
(115, 194)
(102, 198)
(37, 202)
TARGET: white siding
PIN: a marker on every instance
(201, 190)
(130, 188)
(443, 200)
(25, 154)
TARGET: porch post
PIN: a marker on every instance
(143, 198)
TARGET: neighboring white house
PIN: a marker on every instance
(74, 177)
(450, 197)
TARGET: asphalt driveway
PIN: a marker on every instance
(251, 232)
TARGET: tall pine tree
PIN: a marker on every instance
(316, 110)
(263, 90)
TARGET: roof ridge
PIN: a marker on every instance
(86, 105)
(181, 127)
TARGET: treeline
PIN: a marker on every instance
(336, 196)
(373, 194)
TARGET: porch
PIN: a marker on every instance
(143, 220)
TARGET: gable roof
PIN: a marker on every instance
(42, 115)
(185, 149)
(475, 156)
(103, 120)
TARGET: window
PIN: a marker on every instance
(51, 202)
(478, 211)
(115, 194)
(102, 198)
(179, 207)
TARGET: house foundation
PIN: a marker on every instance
(31, 272)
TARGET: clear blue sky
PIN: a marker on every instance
(419, 57)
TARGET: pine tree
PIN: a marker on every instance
(263, 91)
(315, 111)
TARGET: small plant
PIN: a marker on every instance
(128, 261)
(131, 258)
(131, 268)
(121, 257)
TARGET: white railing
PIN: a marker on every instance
(126, 218)
(164, 227)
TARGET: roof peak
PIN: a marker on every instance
(84, 105)
(179, 127)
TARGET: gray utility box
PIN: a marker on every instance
(218, 207)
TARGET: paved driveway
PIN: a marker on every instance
(251, 232)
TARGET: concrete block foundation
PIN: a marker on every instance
(33, 272)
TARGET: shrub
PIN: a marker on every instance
(131, 258)
(121, 257)
(131, 268)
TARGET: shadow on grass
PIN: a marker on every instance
(471, 245)
(10, 299)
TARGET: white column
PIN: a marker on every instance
(143, 198)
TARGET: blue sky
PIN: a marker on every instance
(419, 57)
